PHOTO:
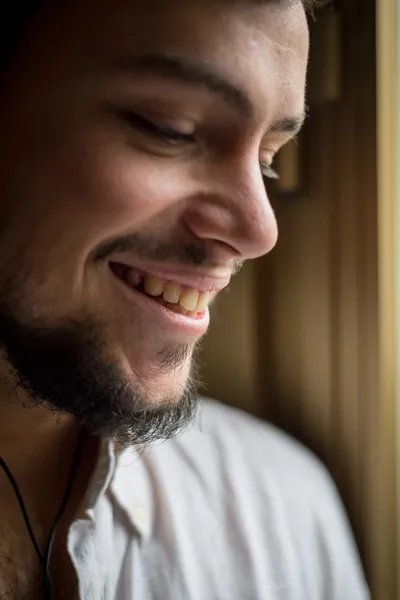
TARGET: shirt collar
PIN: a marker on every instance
(122, 475)
(100, 479)
(131, 489)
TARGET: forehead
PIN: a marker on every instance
(260, 46)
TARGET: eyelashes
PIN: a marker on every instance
(173, 137)
(267, 171)
(159, 132)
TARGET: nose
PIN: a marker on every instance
(235, 211)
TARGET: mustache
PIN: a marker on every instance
(193, 253)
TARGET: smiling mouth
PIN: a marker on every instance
(174, 296)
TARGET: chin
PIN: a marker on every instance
(70, 369)
(164, 380)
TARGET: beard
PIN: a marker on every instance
(64, 369)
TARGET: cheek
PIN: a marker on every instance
(74, 200)
(123, 191)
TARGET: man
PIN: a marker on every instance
(135, 139)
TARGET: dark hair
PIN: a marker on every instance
(19, 13)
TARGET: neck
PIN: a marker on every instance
(32, 440)
(38, 448)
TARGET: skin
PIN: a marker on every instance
(76, 176)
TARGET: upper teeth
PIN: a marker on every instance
(190, 299)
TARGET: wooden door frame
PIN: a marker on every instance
(387, 509)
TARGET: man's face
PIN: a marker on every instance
(133, 134)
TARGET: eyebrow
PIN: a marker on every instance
(202, 74)
(197, 73)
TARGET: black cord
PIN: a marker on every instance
(46, 558)
(47, 583)
(10, 476)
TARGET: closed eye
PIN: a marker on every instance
(171, 136)
(161, 133)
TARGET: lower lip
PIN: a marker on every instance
(191, 326)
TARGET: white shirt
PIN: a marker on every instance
(233, 509)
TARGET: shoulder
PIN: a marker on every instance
(294, 484)
(226, 448)
(248, 481)
(239, 439)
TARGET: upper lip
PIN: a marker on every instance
(201, 280)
